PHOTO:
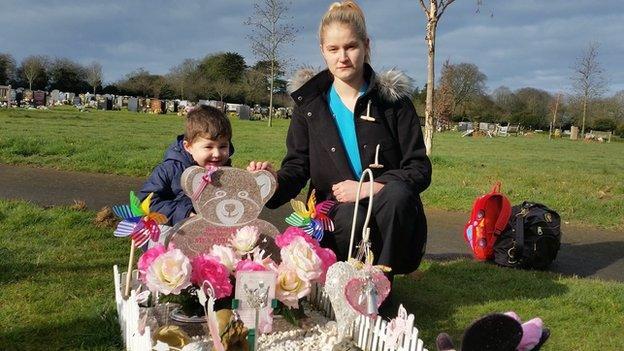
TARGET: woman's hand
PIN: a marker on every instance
(346, 191)
(255, 166)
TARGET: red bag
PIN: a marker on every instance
(489, 217)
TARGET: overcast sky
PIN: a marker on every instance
(516, 43)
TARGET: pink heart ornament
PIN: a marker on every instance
(355, 286)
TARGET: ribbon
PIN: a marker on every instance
(205, 180)
(211, 316)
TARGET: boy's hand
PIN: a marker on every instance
(346, 191)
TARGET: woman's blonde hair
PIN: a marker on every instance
(347, 12)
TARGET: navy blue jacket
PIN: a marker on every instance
(169, 197)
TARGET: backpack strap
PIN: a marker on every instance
(518, 247)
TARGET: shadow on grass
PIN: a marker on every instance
(100, 332)
(585, 260)
(447, 296)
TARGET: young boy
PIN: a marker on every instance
(206, 141)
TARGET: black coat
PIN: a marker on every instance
(315, 150)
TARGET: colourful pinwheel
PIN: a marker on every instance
(313, 219)
(137, 220)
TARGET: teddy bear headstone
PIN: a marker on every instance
(225, 200)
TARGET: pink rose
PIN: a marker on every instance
(169, 273)
(328, 258)
(249, 266)
(208, 268)
(147, 258)
(290, 234)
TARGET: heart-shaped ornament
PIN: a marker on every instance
(362, 291)
(338, 275)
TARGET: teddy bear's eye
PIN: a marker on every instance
(220, 193)
(243, 194)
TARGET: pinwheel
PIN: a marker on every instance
(313, 219)
(140, 224)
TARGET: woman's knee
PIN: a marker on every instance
(398, 194)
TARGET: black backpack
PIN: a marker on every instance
(531, 239)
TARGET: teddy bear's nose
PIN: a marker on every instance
(230, 207)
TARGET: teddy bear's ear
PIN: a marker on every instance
(266, 183)
(191, 178)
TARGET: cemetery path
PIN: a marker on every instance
(585, 252)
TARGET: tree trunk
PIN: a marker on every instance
(584, 114)
(432, 23)
(30, 85)
(94, 90)
(271, 92)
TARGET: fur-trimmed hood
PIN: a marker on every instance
(391, 84)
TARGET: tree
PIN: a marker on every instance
(532, 108)
(68, 75)
(228, 66)
(34, 67)
(433, 13)
(255, 85)
(137, 82)
(181, 77)
(588, 81)
(505, 99)
(7, 69)
(463, 82)
(94, 74)
(268, 36)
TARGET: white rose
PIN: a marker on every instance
(226, 256)
(169, 273)
(290, 287)
(244, 241)
(300, 256)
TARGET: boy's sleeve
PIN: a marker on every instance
(169, 199)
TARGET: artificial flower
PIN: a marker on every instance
(248, 265)
(290, 233)
(267, 262)
(169, 273)
(244, 240)
(147, 258)
(301, 256)
(290, 287)
(226, 256)
(207, 268)
(328, 258)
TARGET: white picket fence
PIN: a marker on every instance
(368, 334)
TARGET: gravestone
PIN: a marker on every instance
(5, 93)
(28, 95)
(109, 104)
(77, 101)
(155, 106)
(133, 104)
(243, 111)
(13, 95)
(175, 106)
(118, 103)
(574, 133)
(163, 107)
(19, 96)
(70, 97)
(39, 98)
(55, 95)
(232, 200)
(101, 104)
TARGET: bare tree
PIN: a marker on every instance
(463, 81)
(588, 80)
(268, 36)
(33, 67)
(94, 75)
(433, 9)
(181, 76)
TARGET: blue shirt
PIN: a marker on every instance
(346, 128)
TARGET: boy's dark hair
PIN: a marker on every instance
(207, 122)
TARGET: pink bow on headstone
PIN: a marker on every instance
(205, 180)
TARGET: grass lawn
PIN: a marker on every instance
(57, 292)
(583, 182)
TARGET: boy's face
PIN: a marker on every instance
(208, 152)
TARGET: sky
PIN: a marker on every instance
(516, 43)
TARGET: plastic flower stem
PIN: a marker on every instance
(129, 271)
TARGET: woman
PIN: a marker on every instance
(342, 114)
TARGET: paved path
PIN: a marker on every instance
(584, 252)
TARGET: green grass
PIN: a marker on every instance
(583, 182)
(56, 290)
